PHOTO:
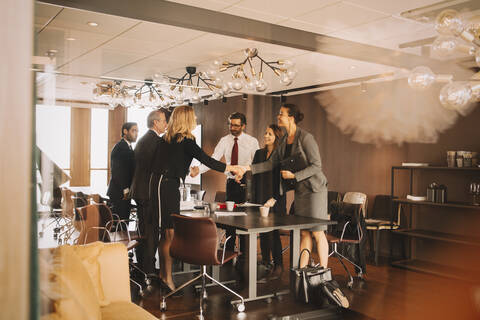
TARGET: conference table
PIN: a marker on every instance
(251, 224)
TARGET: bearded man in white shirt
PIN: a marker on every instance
(238, 148)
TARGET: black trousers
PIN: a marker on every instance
(236, 192)
(149, 229)
(270, 242)
(121, 208)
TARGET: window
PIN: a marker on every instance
(99, 151)
(53, 133)
(140, 117)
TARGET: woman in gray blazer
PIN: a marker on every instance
(310, 184)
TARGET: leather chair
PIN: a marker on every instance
(382, 219)
(195, 242)
(348, 231)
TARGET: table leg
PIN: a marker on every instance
(294, 248)
(252, 265)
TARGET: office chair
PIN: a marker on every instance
(195, 242)
(381, 219)
(347, 231)
(357, 198)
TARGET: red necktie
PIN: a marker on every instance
(234, 153)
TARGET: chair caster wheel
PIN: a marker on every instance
(141, 293)
(350, 284)
(268, 300)
(205, 295)
(59, 241)
(241, 307)
(148, 281)
(40, 234)
(163, 306)
(149, 288)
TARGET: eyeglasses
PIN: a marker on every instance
(234, 125)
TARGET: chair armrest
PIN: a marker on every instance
(343, 231)
(225, 247)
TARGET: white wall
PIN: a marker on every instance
(16, 37)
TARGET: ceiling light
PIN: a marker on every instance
(353, 67)
(422, 77)
(456, 95)
(92, 24)
(188, 86)
(70, 39)
(246, 76)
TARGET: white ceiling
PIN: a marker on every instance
(127, 48)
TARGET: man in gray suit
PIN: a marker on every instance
(148, 222)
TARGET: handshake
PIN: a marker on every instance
(237, 170)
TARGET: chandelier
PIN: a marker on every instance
(189, 85)
(245, 75)
(112, 93)
(456, 35)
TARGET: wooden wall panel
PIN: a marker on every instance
(353, 166)
(214, 118)
(116, 119)
(80, 146)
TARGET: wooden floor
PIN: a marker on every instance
(386, 293)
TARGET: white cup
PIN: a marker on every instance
(213, 207)
(264, 211)
(230, 205)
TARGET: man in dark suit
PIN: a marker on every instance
(122, 164)
(148, 220)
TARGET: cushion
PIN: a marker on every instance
(77, 297)
(89, 254)
(114, 272)
(125, 311)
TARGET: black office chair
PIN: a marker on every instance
(382, 219)
(195, 242)
(348, 231)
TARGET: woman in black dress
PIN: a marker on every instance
(178, 150)
(266, 189)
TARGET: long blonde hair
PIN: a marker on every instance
(181, 124)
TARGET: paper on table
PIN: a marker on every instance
(248, 204)
(230, 213)
(193, 214)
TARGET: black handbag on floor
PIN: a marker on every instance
(314, 284)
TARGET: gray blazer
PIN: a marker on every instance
(310, 179)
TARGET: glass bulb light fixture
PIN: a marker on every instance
(457, 95)
(422, 77)
(450, 22)
(446, 46)
(188, 86)
(247, 76)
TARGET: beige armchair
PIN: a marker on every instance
(87, 282)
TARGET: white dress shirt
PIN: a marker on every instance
(247, 145)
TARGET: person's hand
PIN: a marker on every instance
(287, 174)
(238, 171)
(194, 171)
(270, 203)
(126, 194)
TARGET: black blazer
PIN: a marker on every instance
(174, 159)
(144, 154)
(266, 185)
(122, 164)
